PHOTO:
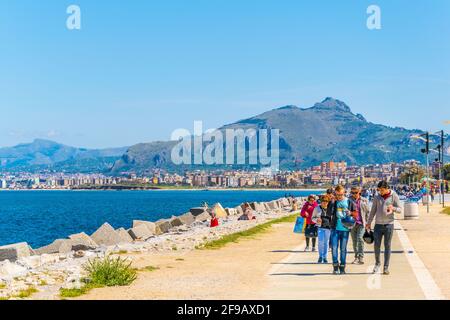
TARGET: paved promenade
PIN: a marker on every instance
(273, 266)
(419, 267)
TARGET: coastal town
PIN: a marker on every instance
(322, 175)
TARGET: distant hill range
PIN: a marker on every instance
(48, 155)
(327, 131)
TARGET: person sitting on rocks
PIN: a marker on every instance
(214, 220)
(248, 213)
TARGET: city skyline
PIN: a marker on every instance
(151, 68)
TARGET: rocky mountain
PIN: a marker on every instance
(329, 130)
(49, 155)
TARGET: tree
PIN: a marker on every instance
(412, 174)
(447, 171)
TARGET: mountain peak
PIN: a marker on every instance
(289, 107)
(330, 103)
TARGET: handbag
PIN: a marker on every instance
(299, 224)
(311, 231)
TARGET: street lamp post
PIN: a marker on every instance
(442, 168)
(426, 151)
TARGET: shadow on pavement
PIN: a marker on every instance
(322, 274)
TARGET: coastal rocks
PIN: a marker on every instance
(14, 252)
(64, 246)
(203, 217)
(10, 270)
(258, 207)
(162, 226)
(30, 262)
(197, 211)
(239, 211)
(187, 218)
(231, 211)
(176, 222)
(219, 211)
(140, 232)
(83, 238)
(124, 235)
(57, 246)
(150, 225)
(106, 235)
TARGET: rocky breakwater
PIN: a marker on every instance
(60, 264)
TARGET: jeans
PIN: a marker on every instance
(380, 231)
(357, 233)
(339, 241)
(324, 240)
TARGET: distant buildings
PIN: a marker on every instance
(323, 175)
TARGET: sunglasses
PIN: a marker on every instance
(355, 192)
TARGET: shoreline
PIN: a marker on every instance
(168, 189)
(60, 264)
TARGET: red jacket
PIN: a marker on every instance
(214, 222)
(308, 208)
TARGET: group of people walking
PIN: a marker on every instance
(336, 217)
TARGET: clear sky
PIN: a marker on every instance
(139, 69)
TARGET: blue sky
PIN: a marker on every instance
(137, 70)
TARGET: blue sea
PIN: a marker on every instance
(39, 217)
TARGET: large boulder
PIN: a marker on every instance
(285, 202)
(187, 218)
(163, 226)
(140, 232)
(239, 210)
(63, 246)
(176, 222)
(124, 235)
(197, 211)
(219, 211)
(15, 251)
(203, 217)
(106, 235)
(231, 211)
(57, 246)
(83, 238)
(150, 225)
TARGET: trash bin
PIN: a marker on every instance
(411, 211)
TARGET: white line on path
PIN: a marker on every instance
(423, 276)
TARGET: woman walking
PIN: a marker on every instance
(322, 218)
(311, 228)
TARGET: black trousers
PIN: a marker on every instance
(381, 231)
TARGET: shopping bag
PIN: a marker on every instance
(299, 225)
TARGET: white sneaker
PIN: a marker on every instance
(376, 269)
(307, 249)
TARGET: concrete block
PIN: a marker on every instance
(187, 218)
(124, 235)
(140, 232)
(150, 225)
(106, 235)
(163, 226)
(15, 251)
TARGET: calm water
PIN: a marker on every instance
(39, 217)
